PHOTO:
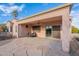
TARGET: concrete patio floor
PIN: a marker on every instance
(29, 46)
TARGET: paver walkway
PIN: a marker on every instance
(31, 47)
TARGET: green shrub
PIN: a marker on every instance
(75, 30)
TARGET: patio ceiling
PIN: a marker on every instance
(49, 20)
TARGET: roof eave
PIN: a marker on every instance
(52, 9)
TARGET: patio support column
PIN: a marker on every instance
(17, 30)
(66, 33)
(43, 30)
(9, 28)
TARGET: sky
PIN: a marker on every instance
(28, 9)
(75, 15)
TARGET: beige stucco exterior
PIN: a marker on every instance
(57, 16)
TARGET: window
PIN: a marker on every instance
(48, 27)
(56, 28)
(36, 28)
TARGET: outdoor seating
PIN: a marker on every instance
(33, 34)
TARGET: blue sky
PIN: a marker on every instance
(28, 9)
(75, 15)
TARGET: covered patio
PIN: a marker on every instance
(50, 27)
